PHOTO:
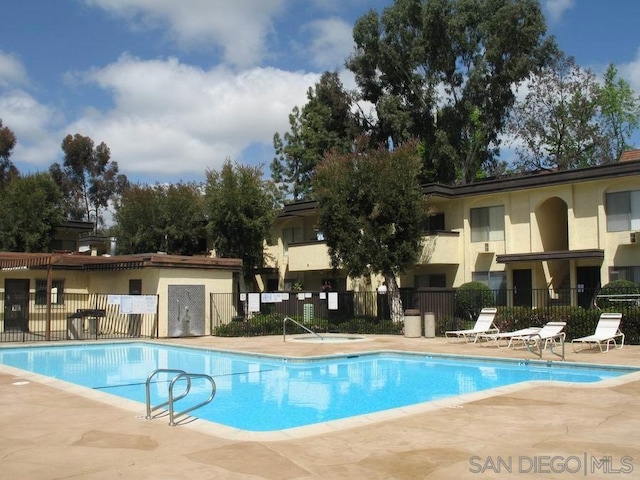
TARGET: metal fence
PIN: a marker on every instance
(27, 317)
(70, 316)
(368, 312)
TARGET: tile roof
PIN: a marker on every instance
(630, 155)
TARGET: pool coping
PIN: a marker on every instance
(332, 426)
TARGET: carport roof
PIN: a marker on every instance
(67, 261)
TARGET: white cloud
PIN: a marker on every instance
(331, 42)
(12, 72)
(240, 27)
(175, 119)
(557, 8)
(631, 72)
(32, 124)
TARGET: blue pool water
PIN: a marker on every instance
(260, 393)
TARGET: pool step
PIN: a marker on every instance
(179, 375)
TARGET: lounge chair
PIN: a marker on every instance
(551, 335)
(484, 324)
(607, 331)
(505, 339)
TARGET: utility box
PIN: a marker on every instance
(307, 312)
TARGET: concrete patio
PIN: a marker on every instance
(51, 430)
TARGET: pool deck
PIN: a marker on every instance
(50, 430)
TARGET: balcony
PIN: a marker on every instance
(441, 247)
(308, 256)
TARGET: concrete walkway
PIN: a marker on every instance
(49, 430)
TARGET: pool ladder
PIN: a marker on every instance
(180, 375)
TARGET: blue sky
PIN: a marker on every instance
(177, 87)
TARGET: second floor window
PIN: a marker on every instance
(292, 234)
(487, 224)
(435, 222)
(623, 211)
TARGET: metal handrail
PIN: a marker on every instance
(284, 329)
(148, 389)
(631, 298)
(181, 374)
(189, 376)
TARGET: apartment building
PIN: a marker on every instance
(562, 231)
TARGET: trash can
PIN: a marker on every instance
(75, 327)
(430, 325)
(412, 324)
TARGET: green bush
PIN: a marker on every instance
(472, 297)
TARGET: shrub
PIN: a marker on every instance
(472, 297)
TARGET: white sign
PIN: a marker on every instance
(333, 300)
(271, 298)
(254, 302)
(138, 304)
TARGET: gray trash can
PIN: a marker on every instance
(430, 325)
(412, 324)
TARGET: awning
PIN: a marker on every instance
(547, 256)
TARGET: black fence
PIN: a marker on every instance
(368, 312)
(70, 316)
(27, 317)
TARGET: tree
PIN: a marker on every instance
(556, 122)
(325, 122)
(619, 112)
(160, 218)
(8, 171)
(290, 168)
(372, 212)
(30, 210)
(442, 71)
(240, 209)
(88, 178)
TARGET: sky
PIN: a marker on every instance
(175, 88)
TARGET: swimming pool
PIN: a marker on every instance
(260, 393)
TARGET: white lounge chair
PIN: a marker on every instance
(484, 324)
(607, 331)
(551, 335)
(505, 339)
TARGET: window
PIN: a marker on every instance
(487, 224)
(623, 211)
(497, 283)
(292, 235)
(494, 280)
(135, 286)
(432, 280)
(64, 245)
(435, 222)
(625, 273)
(57, 292)
(272, 284)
